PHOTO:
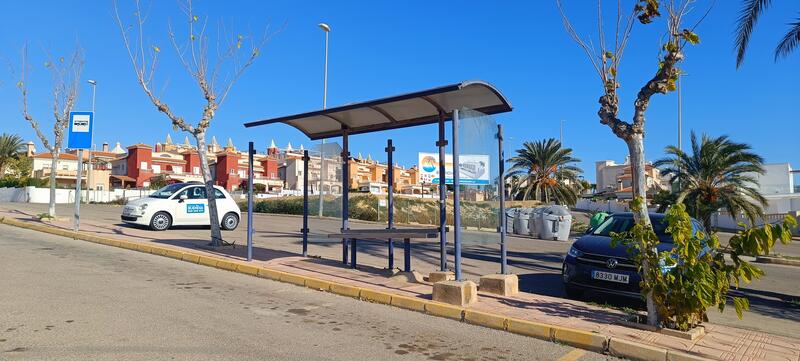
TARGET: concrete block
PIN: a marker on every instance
(409, 303)
(317, 284)
(293, 279)
(345, 290)
(529, 328)
(190, 257)
(227, 265)
(581, 339)
(440, 276)
(636, 351)
(247, 269)
(485, 319)
(171, 253)
(503, 285)
(444, 310)
(375, 296)
(207, 261)
(459, 293)
(269, 274)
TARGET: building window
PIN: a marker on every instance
(156, 169)
(196, 170)
(233, 171)
(143, 166)
(177, 169)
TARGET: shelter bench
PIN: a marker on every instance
(406, 234)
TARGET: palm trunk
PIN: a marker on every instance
(216, 234)
(639, 190)
(51, 209)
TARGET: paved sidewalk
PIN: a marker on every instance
(720, 342)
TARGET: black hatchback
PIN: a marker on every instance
(593, 264)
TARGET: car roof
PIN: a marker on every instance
(186, 184)
(653, 215)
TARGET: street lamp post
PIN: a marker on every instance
(327, 29)
(90, 178)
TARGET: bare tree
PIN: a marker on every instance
(66, 74)
(606, 60)
(215, 84)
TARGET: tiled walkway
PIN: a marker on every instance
(719, 342)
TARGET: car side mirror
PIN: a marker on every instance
(182, 198)
(589, 230)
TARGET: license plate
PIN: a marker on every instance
(611, 277)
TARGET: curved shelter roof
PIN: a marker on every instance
(418, 108)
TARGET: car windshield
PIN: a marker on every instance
(621, 224)
(167, 191)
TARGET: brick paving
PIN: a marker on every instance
(720, 342)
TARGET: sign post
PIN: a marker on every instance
(81, 126)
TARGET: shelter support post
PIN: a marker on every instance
(390, 202)
(502, 193)
(250, 152)
(345, 192)
(456, 199)
(306, 160)
(442, 143)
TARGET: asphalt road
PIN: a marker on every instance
(537, 262)
(64, 299)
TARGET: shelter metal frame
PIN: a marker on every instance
(432, 106)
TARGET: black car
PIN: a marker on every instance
(593, 264)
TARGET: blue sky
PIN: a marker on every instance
(382, 48)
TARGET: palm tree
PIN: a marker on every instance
(11, 146)
(545, 171)
(719, 173)
(748, 16)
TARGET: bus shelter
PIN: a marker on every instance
(432, 106)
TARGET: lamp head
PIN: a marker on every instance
(93, 82)
(325, 27)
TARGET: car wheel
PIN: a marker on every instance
(161, 221)
(230, 222)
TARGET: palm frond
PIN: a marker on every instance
(748, 16)
(789, 42)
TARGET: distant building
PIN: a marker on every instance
(777, 179)
(616, 180)
(277, 169)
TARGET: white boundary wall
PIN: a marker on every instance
(42, 195)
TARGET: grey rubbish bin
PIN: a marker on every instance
(511, 214)
(521, 221)
(535, 223)
(557, 222)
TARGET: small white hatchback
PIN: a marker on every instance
(181, 204)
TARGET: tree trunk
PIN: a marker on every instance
(639, 190)
(51, 209)
(216, 235)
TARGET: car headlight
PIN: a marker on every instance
(574, 252)
(142, 207)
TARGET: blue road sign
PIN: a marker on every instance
(81, 126)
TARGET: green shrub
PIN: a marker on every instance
(698, 278)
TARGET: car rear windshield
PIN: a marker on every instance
(620, 224)
(167, 191)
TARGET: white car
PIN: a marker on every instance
(181, 204)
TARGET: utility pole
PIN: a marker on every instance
(322, 174)
(90, 177)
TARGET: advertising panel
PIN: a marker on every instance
(474, 168)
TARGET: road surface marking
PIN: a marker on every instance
(573, 355)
